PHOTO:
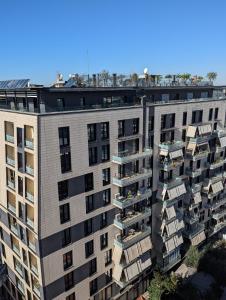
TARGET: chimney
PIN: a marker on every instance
(114, 79)
(94, 80)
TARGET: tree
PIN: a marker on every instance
(212, 76)
(104, 76)
(192, 257)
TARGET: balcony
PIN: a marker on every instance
(192, 232)
(123, 202)
(29, 144)
(125, 157)
(30, 222)
(9, 138)
(171, 183)
(29, 197)
(132, 177)
(197, 155)
(18, 268)
(220, 214)
(193, 173)
(191, 219)
(131, 218)
(14, 229)
(195, 188)
(10, 161)
(11, 184)
(218, 203)
(31, 245)
(20, 286)
(200, 139)
(172, 146)
(167, 266)
(217, 227)
(133, 237)
(170, 164)
(217, 164)
(36, 289)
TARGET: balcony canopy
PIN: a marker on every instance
(192, 130)
(223, 141)
(173, 243)
(198, 238)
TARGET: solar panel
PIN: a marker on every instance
(14, 84)
(70, 83)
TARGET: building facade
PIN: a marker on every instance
(101, 185)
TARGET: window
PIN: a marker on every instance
(89, 248)
(19, 137)
(92, 266)
(69, 281)
(215, 126)
(121, 128)
(93, 286)
(60, 104)
(184, 118)
(63, 189)
(167, 121)
(106, 175)
(108, 257)
(135, 126)
(20, 209)
(108, 276)
(66, 239)
(64, 213)
(88, 227)
(103, 241)
(183, 135)
(103, 220)
(20, 163)
(88, 182)
(20, 186)
(198, 164)
(3, 250)
(216, 113)
(197, 116)
(65, 159)
(89, 203)
(106, 197)
(67, 260)
(71, 297)
(91, 132)
(64, 136)
(105, 130)
(92, 156)
(210, 114)
(105, 153)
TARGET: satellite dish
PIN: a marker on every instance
(145, 70)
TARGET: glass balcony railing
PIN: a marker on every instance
(11, 184)
(10, 161)
(125, 156)
(9, 138)
(170, 264)
(29, 144)
(132, 177)
(193, 173)
(30, 197)
(200, 139)
(171, 183)
(197, 155)
(29, 170)
(123, 222)
(168, 165)
(14, 229)
(133, 237)
(123, 202)
(16, 249)
(172, 146)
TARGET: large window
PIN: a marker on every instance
(92, 156)
(167, 121)
(197, 116)
(64, 213)
(63, 189)
(91, 128)
(121, 128)
(92, 266)
(89, 203)
(69, 281)
(89, 248)
(106, 175)
(216, 113)
(88, 182)
(108, 257)
(107, 196)
(65, 159)
(136, 126)
(88, 227)
(105, 153)
(184, 118)
(103, 241)
(105, 130)
(67, 260)
(210, 114)
(66, 239)
(64, 136)
(103, 220)
(93, 286)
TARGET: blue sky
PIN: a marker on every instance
(42, 37)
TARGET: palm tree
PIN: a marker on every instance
(212, 76)
(104, 76)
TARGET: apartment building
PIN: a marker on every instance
(99, 185)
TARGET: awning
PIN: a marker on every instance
(177, 191)
(170, 245)
(171, 228)
(131, 253)
(198, 238)
(131, 271)
(223, 141)
(145, 244)
(197, 198)
(145, 261)
(117, 254)
(170, 211)
(217, 187)
(191, 131)
(179, 224)
(181, 189)
(172, 193)
(191, 147)
(204, 129)
(117, 272)
(175, 154)
(163, 152)
(178, 240)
